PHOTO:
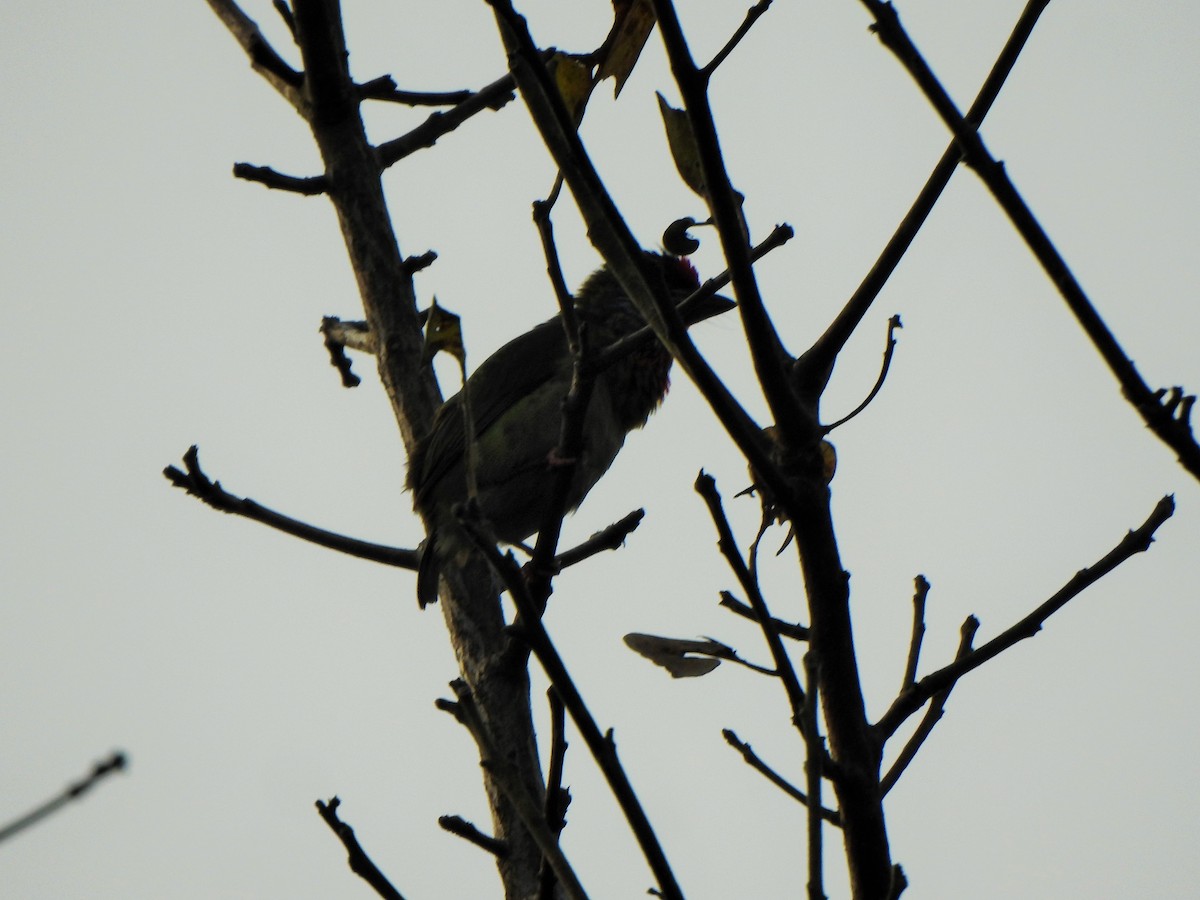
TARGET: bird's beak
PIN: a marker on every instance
(705, 308)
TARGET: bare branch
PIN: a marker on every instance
(494, 96)
(265, 175)
(602, 747)
(285, 13)
(117, 762)
(814, 755)
(609, 538)
(460, 827)
(1172, 430)
(384, 88)
(893, 324)
(752, 759)
(507, 778)
(558, 798)
(752, 16)
(195, 482)
(360, 864)
(932, 715)
(918, 631)
(815, 366)
(771, 358)
(263, 58)
(706, 487)
(786, 629)
(912, 699)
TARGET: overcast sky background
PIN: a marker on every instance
(153, 301)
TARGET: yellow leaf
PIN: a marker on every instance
(683, 146)
(633, 20)
(574, 81)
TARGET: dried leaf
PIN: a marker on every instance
(633, 20)
(683, 146)
(677, 240)
(673, 654)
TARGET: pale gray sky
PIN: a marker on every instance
(154, 302)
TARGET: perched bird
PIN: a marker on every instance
(516, 398)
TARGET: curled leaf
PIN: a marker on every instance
(676, 239)
(682, 658)
(683, 146)
(443, 333)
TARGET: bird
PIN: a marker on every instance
(516, 399)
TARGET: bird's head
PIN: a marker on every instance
(603, 303)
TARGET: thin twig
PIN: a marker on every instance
(706, 487)
(460, 827)
(360, 864)
(384, 88)
(753, 760)
(569, 450)
(285, 13)
(752, 16)
(786, 629)
(118, 762)
(932, 715)
(265, 175)
(199, 485)
(608, 538)
(493, 96)
(558, 798)
(918, 632)
(815, 753)
(893, 324)
(911, 700)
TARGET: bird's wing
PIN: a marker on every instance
(514, 371)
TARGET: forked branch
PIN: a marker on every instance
(913, 698)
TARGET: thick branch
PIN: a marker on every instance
(602, 747)
(330, 104)
(508, 778)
